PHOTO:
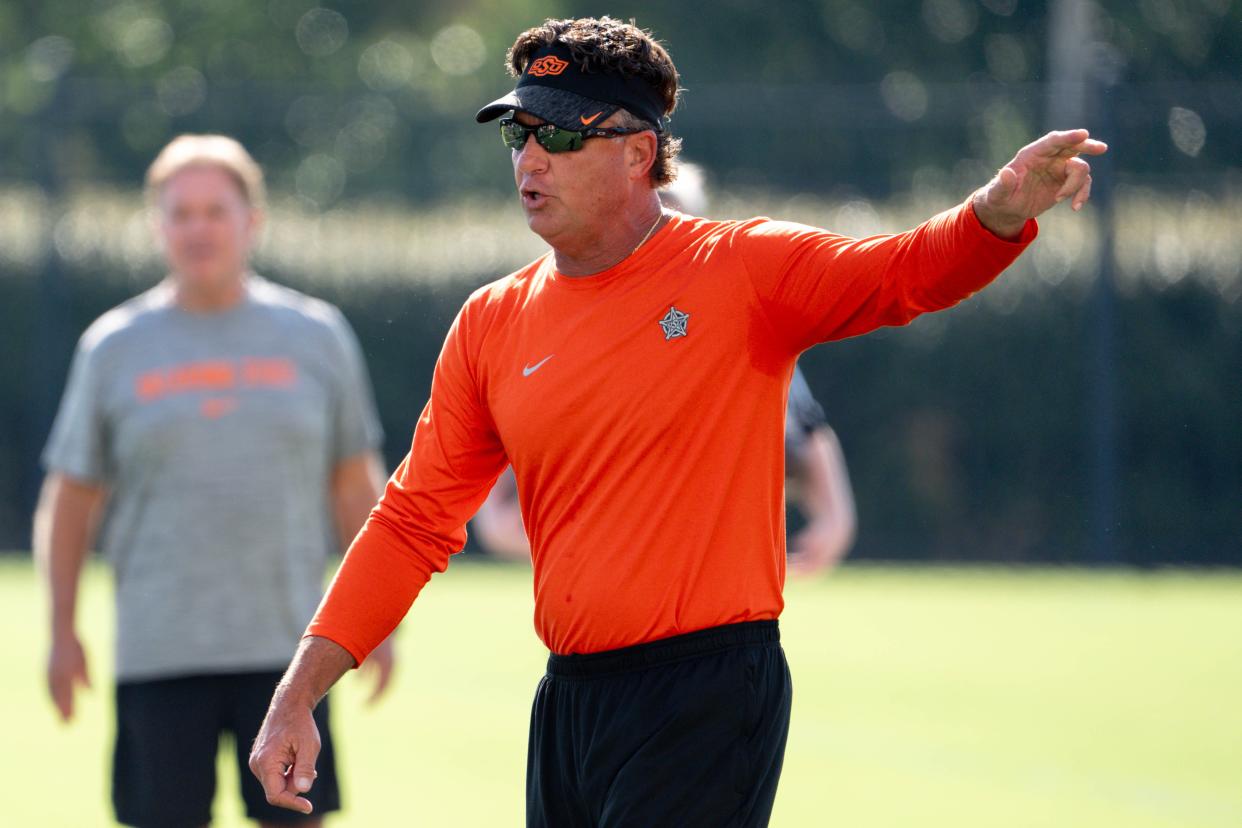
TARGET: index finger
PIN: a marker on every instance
(1068, 143)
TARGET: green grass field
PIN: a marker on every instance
(921, 698)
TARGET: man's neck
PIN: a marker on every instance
(625, 236)
(213, 299)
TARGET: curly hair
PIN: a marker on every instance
(606, 44)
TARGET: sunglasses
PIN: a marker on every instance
(551, 137)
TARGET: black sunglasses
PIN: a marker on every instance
(551, 137)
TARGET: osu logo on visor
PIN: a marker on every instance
(547, 65)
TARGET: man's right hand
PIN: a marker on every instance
(64, 528)
(284, 754)
(66, 668)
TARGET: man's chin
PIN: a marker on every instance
(541, 224)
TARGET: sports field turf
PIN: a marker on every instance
(921, 698)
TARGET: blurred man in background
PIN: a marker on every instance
(227, 427)
(820, 517)
(635, 377)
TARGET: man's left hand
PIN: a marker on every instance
(1042, 174)
(380, 665)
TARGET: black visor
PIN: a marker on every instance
(555, 88)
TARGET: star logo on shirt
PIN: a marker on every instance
(674, 323)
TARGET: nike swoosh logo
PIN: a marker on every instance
(530, 369)
(591, 120)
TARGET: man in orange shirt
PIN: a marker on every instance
(820, 518)
(635, 377)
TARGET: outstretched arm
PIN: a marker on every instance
(815, 286)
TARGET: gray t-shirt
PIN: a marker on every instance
(216, 435)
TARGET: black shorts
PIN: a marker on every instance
(687, 731)
(167, 740)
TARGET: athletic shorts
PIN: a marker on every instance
(168, 738)
(687, 731)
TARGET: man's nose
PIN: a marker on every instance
(531, 156)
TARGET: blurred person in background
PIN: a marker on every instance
(635, 377)
(820, 517)
(498, 523)
(226, 426)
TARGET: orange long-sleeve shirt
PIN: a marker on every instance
(642, 409)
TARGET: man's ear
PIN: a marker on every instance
(640, 154)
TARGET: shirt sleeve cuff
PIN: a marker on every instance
(1029, 230)
(321, 630)
(372, 591)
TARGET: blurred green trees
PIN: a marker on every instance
(343, 100)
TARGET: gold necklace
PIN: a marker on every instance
(650, 230)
